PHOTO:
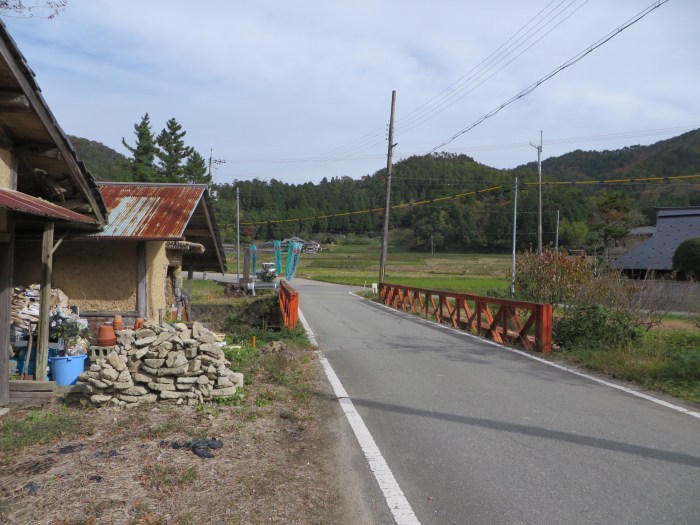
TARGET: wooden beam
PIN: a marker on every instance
(48, 151)
(198, 232)
(32, 386)
(13, 101)
(42, 347)
(6, 258)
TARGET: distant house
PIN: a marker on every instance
(673, 226)
(134, 266)
(309, 246)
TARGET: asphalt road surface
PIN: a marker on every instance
(477, 434)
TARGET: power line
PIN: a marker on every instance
(502, 189)
(453, 96)
(575, 59)
(455, 91)
(373, 210)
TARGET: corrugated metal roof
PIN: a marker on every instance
(21, 202)
(673, 226)
(149, 211)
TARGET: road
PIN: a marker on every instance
(477, 434)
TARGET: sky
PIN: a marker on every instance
(298, 91)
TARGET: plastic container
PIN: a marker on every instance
(65, 370)
(31, 368)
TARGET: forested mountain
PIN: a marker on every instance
(102, 161)
(590, 214)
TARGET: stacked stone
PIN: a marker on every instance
(160, 363)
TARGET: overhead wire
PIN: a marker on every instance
(451, 94)
(493, 189)
(374, 210)
(476, 80)
(573, 60)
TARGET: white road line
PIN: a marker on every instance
(397, 502)
(625, 389)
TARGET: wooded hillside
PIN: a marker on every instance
(590, 214)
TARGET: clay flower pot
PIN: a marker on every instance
(106, 336)
(118, 323)
(138, 324)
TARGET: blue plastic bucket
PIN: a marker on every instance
(65, 370)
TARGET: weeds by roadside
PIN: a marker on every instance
(118, 469)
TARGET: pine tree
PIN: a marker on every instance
(196, 169)
(172, 152)
(141, 165)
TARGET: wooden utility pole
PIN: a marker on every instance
(387, 205)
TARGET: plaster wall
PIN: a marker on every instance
(96, 276)
(156, 277)
(5, 169)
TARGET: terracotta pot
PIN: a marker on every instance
(106, 336)
(138, 324)
(118, 323)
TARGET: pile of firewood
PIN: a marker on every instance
(25, 305)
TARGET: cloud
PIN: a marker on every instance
(278, 80)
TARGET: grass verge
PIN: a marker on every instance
(667, 361)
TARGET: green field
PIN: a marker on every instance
(358, 264)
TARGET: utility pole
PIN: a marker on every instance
(515, 226)
(212, 160)
(556, 238)
(238, 235)
(539, 193)
(387, 205)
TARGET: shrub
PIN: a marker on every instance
(593, 327)
(550, 277)
(686, 259)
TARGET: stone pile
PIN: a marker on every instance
(160, 363)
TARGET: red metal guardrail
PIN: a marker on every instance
(289, 304)
(514, 322)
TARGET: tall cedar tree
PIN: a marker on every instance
(172, 152)
(196, 169)
(141, 165)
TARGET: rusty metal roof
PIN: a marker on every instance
(164, 212)
(149, 211)
(23, 203)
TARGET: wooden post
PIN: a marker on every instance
(6, 257)
(543, 329)
(42, 344)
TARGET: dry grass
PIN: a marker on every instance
(275, 466)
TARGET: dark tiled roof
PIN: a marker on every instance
(673, 226)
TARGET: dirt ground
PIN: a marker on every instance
(278, 463)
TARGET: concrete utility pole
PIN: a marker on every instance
(515, 226)
(387, 206)
(539, 193)
(212, 160)
(238, 235)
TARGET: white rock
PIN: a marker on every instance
(154, 363)
(109, 373)
(116, 361)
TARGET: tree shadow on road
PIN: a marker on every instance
(538, 432)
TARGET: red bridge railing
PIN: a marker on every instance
(289, 304)
(520, 323)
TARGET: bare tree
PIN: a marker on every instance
(26, 8)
